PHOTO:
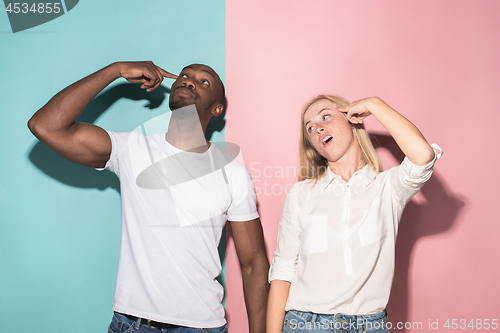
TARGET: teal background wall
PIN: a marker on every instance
(60, 223)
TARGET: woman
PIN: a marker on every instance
(334, 263)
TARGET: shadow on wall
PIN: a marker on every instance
(419, 220)
(80, 176)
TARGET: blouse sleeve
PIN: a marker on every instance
(407, 178)
(285, 258)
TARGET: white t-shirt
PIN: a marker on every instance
(336, 240)
(174, 207)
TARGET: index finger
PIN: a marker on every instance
(166, 74)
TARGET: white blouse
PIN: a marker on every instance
(336, 240)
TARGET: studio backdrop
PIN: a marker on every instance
(435, 61)
(60, 222)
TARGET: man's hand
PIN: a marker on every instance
(145, 72)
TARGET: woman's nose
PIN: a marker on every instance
(319, 130)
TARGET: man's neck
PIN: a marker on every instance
(185, 130)
(187, 143)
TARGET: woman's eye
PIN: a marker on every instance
(309, 129)
(326, 116)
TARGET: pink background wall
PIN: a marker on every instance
(435, 61)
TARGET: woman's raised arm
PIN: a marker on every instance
(406, 135)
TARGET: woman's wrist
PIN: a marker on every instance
(374, 103)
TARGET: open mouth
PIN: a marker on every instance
(327, 139)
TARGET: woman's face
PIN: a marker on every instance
(329, 131)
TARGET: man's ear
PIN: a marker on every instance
(217, 110)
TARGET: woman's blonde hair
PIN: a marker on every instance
(312, 165)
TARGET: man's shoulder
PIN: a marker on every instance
(133, 137)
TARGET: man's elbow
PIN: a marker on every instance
(259, 264)
(34, 127)
(40, 128)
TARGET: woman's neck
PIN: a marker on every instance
(348, 164)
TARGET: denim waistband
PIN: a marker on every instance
(313, 317)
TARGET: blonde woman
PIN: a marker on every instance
(334, 263)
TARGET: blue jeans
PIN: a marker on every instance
(122, 324)
(308, 322)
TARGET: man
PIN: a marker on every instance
(177, 192)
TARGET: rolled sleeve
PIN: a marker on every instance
(408, 178)
(285, 258)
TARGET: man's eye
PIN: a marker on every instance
(184, 76)
(205, 82)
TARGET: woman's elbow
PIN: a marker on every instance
(425, 156)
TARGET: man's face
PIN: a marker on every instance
(199, 85)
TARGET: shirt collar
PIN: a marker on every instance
(367, 173)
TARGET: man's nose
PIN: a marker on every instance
(188, 83)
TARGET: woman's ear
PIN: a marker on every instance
(356, 126)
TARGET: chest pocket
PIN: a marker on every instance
(373, 227)
(313, 237)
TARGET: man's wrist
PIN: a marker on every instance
(113, 70)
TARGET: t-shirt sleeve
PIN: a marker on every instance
(118, 141)
(285, 258)
(407, 178)
(243, 205)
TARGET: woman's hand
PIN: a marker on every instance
(357, 111)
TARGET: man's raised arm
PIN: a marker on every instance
(83, 143)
